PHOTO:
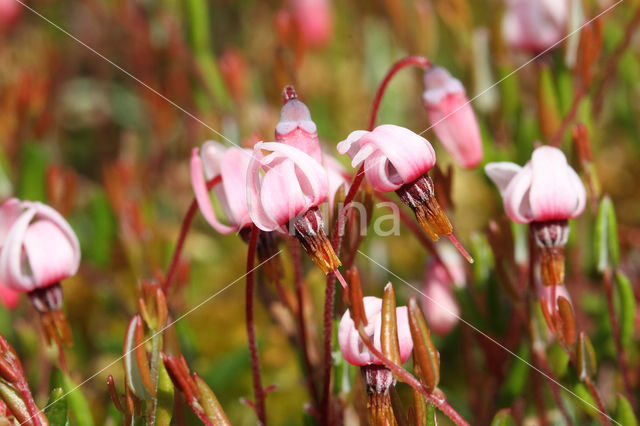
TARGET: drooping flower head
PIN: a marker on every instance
(452, 117)
(546, 192)
(296, 128)
(440, 307)
(396, 159)
(351, 346)
(284, 188)
(38, 250)
(229, 165)
(534, 25)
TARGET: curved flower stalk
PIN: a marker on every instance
(545, 193)
(397, 159)
(284, 189)
(440, 307)
(39, 249)
(534, 25)
(452, 117)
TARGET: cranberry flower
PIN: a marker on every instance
(296, 128)
(39, 249)
(535, 25)
(230, 165)
(396, 159)
(284, 188)
(546, 192)
(452, 117)
(352, 348)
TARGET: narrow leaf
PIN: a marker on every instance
(389, 327)
(606, 237)
(14, 402)
(624, 412)
(626, 308)
(426, 354)
(587, 366)
(210, 403)
(568, 325)
(164, 409)
(56, 410)
(78, 406)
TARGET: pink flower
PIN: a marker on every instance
(535, 25)
(545, 189)
(314, 21)
(392, 155)
(230, 165)
(451, 116)
(296, 128)
(292, 184)
(351, 346)
(10, 11)
(39, 248)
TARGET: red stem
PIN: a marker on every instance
(544, 365)
(596, 396)
(184, 229)
(566, 121)
(338, 231)
(420, 61)
(615, 326)
(251, 330)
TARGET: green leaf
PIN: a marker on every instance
(626, 307)
(503, 418)
(586, 358)
(431, 415)
(586, 400)
(606, 237)
(78, 405)
(56, 410)
(624, 412)
(558, 360)
(164, 409)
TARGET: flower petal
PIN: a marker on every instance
(281, 195)
(234, 168)
(381, 174)
(351, 145)
(501, 173)
(254, 185)
(11, 258)
(48, 252)
(9, 213)
(516, 196)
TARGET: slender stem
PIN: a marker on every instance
(596, 397)
(330, 289)
(544, 365)
(251, 331)
(566, 121)
(615, 326)
(612, 64)
(299, 283)
(184, 229)
(419, 61)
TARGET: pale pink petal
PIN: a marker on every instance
(11, 255)
(47, 213)
(49, 254)
(254, 183)
(9, 213)
(516, 196)
(455, 125)
(381, 174)
(501, 173)
(202, 195)
(553, 194)
(404, 333)
(351, 145)
(440, 307)
(438, 84)
(281, 195)
(234, 168)
(297, 129)
(581, 193)
(411, 154)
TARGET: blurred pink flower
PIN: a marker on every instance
(392, 155)
(545, 189)
(296, 128)
(39, 248)
(534, 25)
(452, 117)
(314, 21)
(10, 11)
(231, 164)
(292, 184)
(351, 346)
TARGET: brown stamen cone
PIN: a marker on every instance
(378, 381)
(419, 195)
(48, 303)
(308, 230)
(551, 265)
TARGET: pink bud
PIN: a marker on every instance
(353, 349)
(452, 117)
(545, 189)
(392, 155)
(38, 247)
(292, 183)
(231, 165)
(314, 21)
(296, 128)
(534, 25)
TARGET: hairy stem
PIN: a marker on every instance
(251, 330)
(184, 229)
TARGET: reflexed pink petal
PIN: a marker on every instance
(580, 191)
(380, 174)
(553, 192)
(516, 196)
(353, 349)
(254, 182)
(202, 195)
(49, 254)
(9, 213)
(351, 145)
(280, 193)
(47, 213)
(11, 255)
(212, 154)
(501, 173)
(234, 183)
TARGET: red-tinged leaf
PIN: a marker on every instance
(210, 403)
(354, 301)
(426, 354)
(113, 393)
(567, 322)
(389, 327)
(586, 358)
(142, 360)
